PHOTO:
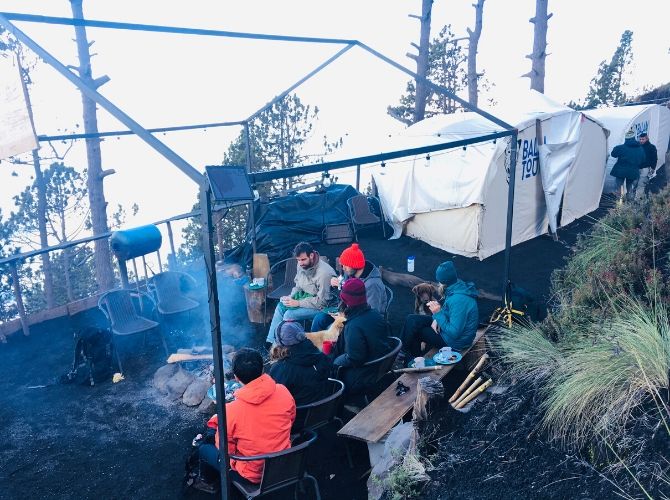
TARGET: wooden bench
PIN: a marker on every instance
(374, 421)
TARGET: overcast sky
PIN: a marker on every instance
(167, 80)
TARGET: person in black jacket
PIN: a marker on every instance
(648, 167)
(364, 338)
(299, 365)
(630, 158)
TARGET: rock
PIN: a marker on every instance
(162, 376)
(178, 383)
(395, 447)
(227, 349)
(208, 406)
(195, 392)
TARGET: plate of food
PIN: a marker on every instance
(447, 358)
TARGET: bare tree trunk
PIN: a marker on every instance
(422, 60)
(96, 194)
(68, 279)
(473, 77)
(540, 22)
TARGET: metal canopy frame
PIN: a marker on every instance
(147, 136)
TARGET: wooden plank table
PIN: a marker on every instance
(375, 420)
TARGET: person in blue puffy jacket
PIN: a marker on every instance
(453, 323)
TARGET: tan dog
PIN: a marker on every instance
(424, 293)
(332, 333)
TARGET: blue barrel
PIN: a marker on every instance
(131, 243)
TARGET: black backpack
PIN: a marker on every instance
(93, 356)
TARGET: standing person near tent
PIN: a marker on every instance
(453, 324)
(630, 158)
(311, 292)
(648, 166)
(354, 265)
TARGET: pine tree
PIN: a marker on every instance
(607, 87)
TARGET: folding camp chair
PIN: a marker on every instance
(119, 309)
(290, 270)
(361, 214)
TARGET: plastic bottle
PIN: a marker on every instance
(410, 264)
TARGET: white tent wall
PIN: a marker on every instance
(650, 118)
(457, 200)
(587, 174)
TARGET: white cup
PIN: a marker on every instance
(260, 281)
(419, 362)
(446, 352)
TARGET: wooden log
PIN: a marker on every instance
(179, 357)
(474, 394)
(468, 390)
(417, 370)
(469, 378)
(255, 304)
(428, 391)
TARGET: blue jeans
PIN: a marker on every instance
(293, 314)
(209, 456)
(631, 187)
(321, 321)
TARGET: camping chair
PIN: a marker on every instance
(283, 468)
(315, 415)
(361, 214)
(120, 311)
(290, 270)
(168, 289)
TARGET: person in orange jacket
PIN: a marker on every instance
(258, 421)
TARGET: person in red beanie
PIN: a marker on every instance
(365, 337)
(354, 265)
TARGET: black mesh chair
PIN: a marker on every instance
(361, 214)
(290, 271)
(121, 312)
(282, 469)
(315, 415)
(389, 299)
(169, 290)
(385, 363)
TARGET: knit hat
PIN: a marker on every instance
(630, 134)
(644, 134)
(290, 333)
(446, 273)
(353, 292)
(353, 257)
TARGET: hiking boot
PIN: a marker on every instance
(205, 486)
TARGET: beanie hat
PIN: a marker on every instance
(290, 333)
(353, 292)
(644, 134)
(630, 134)
(353, 257)
(446, 273)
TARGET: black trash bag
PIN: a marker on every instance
(93, 356)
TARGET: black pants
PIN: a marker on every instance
(416, 330)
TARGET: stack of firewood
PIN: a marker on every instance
(469, 390)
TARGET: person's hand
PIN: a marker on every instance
(334, 281)
(434, 306)
(334, 315)
(289, 302)
(435, 326)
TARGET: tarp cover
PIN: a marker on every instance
(289, 220)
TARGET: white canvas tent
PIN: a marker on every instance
(457, 200)
(650, 118)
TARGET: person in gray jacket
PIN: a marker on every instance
(311, 292)
(354, 265)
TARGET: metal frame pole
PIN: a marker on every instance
(358, 178)
(252, 214)
(215, 330)
(510, 212)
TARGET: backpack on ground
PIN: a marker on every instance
(93, 356)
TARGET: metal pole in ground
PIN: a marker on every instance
(252, 216)
(510, 211)
(215, 330)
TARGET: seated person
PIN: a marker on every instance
(311, 292)
(453, 324)
(354, 265)
(258, 421)
(364, 338)
(299, 365)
